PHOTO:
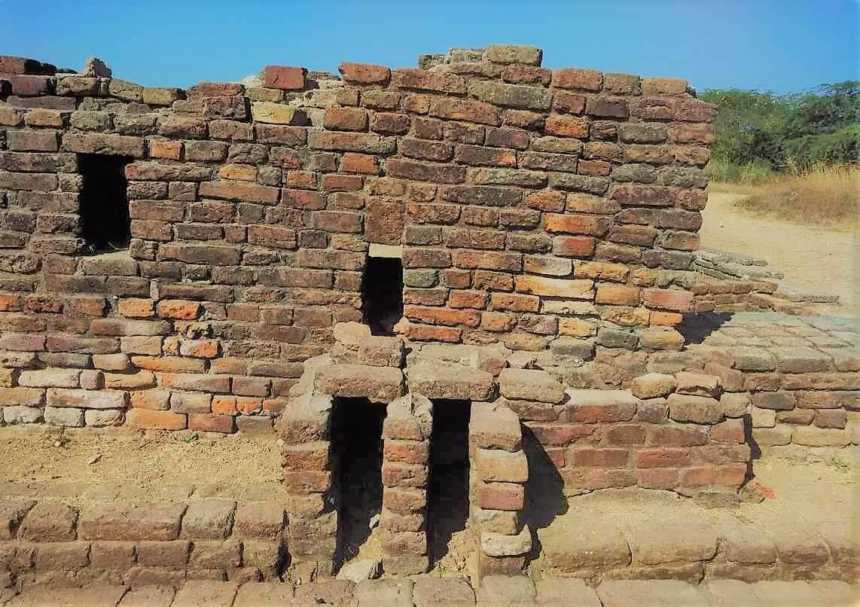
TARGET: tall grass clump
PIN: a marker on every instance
(826, 195)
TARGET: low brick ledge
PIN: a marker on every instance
(54, 542)
(695, 551)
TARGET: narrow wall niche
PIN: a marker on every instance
(448, 491)
(357, 442)
(105, 222)
(382, 294)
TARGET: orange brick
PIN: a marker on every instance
(668, 299)
(206, 422)
(248, 406)
(497, 321)
(619, 295)
(668, 319)
(200, 348)
(303, 180)
(155, 420)
(9, 302)
(576, 224)
(433, 333)
(546, 200)
(155, 400)
(178, 309)
(136, 308)
(163, 148)
(242, 172)
(515, 303)
(224, 405)
(467, 299)
(274, 405)
(566, 126)
(442, 316)
(359, 163)
(573, 246)
(576, 327)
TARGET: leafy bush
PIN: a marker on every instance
(757, 132)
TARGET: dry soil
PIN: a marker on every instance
(813, 259)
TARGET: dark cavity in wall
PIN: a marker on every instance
(357, 436)
(382, 294)
(448, 490)
(105, 223)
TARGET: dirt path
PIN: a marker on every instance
(813, 259)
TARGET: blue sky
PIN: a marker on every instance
(783, 46)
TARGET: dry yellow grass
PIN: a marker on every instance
(827, 196)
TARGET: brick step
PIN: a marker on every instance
(631, 537)
(50, 541)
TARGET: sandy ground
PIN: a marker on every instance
(813, 259)
(128, 465)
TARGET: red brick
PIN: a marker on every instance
(364, 73)
(206, 422)
(566, 126)
(600, 458)
(345, 119)
(572, 78)
(662, 457)
(155, 420)
(501, 496)
(433, 333)
(668, 299)
(178, 309)
(359, 163)
(726, 476)
(560, 434)
(573, 246)
(284, 78)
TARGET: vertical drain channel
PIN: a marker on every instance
(448, 492)
(357, 438)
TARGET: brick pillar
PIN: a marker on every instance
(499, 471)
(305, 428)
(405, 471)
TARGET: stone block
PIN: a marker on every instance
(449, 381)
(696, 409)
(504, 590)
(697, 384)
(208, 519)
(379, 384)
(261, 520)
(638, 593)
(125, 522)
(442, 592)
(527, 384)
(266, 594)
(375, 593)
(652, 385)
(498, 545)
(206, 593)
(502, 466)
(494, 427)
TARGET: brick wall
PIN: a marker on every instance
(534, 207)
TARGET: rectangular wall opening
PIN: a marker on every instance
(357, 448)
(449, 542)
(382, 294)
(105, 222)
